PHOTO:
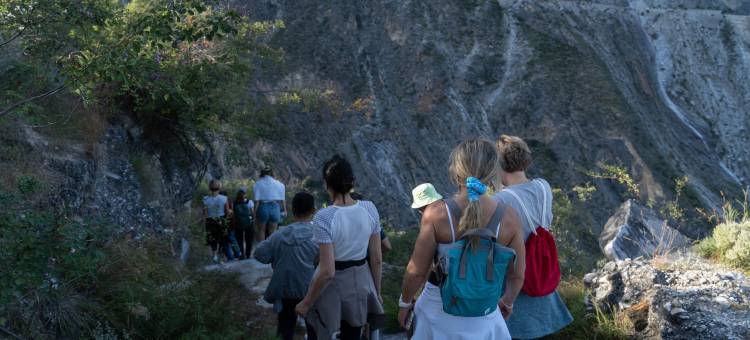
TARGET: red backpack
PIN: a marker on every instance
(542, 268)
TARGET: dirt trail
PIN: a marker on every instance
(252, 274)
(255, 276)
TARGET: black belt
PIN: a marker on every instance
(341, 265)
(433, 278)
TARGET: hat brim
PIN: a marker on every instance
(416, 205)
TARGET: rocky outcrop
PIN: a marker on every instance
(636, 231)
(117, 177)
(254, 275)
(676, 297)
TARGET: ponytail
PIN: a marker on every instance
(472, 216)
(472, 162)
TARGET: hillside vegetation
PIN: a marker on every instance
(67, 68)
(730, 241)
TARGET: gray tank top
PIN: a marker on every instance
(532, 201)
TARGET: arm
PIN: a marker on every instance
(264, 250)
(282, 202)
(376, 260)
(228, 209)
(324, 275)
(512, 234)
(420, 262)
(386, 245)
(282, 206)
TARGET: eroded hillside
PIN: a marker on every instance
(655, 86)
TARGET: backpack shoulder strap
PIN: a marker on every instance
(453, 210)
(544, 200)
(496, 219)
(523, 207)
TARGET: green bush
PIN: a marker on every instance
(48, 261)
(402, 243)
(729, 243)
(617, 174)
(144, 294)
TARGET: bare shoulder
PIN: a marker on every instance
(510, 225)
(435, 218)
(434, 213)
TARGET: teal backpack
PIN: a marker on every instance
(473, 277)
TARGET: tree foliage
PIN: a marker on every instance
(47, 28)
(35, 36)
(173, 64)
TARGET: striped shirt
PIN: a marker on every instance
(349, 228)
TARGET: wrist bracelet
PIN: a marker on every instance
(402, 304)
(506, 305)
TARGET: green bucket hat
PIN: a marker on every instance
(423, 195)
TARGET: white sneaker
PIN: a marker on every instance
(216, 259)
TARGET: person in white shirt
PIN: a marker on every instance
(270, 203)
(215, 210)
(345, 292)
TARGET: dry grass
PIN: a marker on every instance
(588, 325)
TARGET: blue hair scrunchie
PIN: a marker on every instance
(475, 188)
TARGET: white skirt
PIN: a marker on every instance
(432, 323)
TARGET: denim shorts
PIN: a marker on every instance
(268, 212)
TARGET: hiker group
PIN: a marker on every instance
(484, 264)
(232, 226)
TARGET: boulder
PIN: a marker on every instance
(678, 297)
(636, 231)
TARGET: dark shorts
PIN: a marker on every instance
(268, 212)
(216, 231)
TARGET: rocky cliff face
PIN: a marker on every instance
(115, 177)
(657, 86)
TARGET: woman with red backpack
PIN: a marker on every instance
(538, 310)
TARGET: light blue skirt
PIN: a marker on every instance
(535, 317)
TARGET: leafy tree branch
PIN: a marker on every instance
(18, 104)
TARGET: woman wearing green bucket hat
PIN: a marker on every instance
(424, 195)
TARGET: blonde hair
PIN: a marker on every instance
(214, 185)
(473, 158)
(516, 155)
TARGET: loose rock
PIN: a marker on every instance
(683, 300)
